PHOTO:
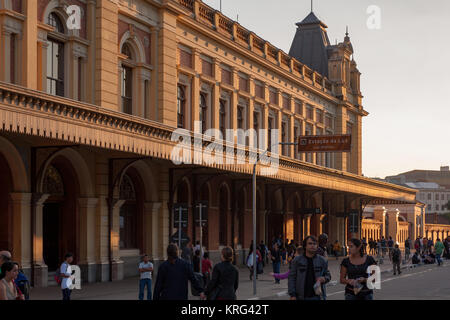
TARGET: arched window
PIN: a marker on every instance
(181, 103)
(128, 214)
(55, 58)
(203, 111)
(127, 81)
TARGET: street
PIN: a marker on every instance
(421, 283)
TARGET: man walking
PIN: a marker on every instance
(396, 259)
(145, 269)
(308, 273)
(407, 248)
(65, 272)
(383, 246)
(439, 249)
(391, 247)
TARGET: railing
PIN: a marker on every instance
(206, 13)
(224, 25)
(189, 4)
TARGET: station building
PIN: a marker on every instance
(87, 117)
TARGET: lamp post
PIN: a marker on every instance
(254, 209)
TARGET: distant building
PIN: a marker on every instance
(433, 186)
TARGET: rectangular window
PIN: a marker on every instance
(309, 113)
(429, 196)
(259, 90)
(55, 68)
(181, 104)
(298, 108)
(240, 117)
(243, 84)
(273, 97)
(437, 196)
(328, 122)
(223, 117)
(226, 76)
(287, 102)
(207, 68)
(319, 116)
(185, 58)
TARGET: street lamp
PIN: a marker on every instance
(254, 208)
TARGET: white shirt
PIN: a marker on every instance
(148, 274)
(66, 269)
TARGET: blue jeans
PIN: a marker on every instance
(142, 284)
(438, 259)
(66, 294)
(352, 297)
(276, 269)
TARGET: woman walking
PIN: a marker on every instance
(225, 278)
(354, 272)
(8, 289)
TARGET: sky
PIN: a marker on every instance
(404, 63)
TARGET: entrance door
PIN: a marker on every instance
(52, 235)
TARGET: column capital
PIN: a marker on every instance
(20, 197)
(88, 202)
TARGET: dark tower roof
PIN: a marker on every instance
(310, 44)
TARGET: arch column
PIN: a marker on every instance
(20, 204)
(117, 267)
(306, 225)
(151, 230)
(40, 276)
(87, 263)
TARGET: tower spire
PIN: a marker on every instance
(312, 5)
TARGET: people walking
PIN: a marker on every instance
(407, 248)
(396, 259)
(336, 249)
(65, 273)
(187, 253)
(196, 261)
(390, 247)
(424, 245)
(275, 256)
(447, 248)
(225, 278)
(322, 247)
(354, 272)
(206, 268)
(282, 276)
(383, 246)
(438, 250)
(173, 277)
(250, 261)
(145, 270)
(263, 250)
(308, 273)
(8, 289)
(5, 256)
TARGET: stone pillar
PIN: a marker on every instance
(106, 75)
(215, 106)
(393, 224)
(101, 220)
(90, 62)
(20, 208)
(151, 230)
(40, 268)
(5, 54)
(29, 71)
(154, 43)
(117, 263)
(86, 207)
(379, 214)
(143, 74)
(306, 225)
(163, 213)
(195, 95)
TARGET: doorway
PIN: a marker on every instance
(52, 235)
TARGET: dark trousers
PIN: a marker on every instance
(142, 284)
(66, 294)
(276, 269)
(397, 267)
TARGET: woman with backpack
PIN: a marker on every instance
(8, 289)
(225, 278)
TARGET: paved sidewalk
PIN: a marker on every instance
(128, 289)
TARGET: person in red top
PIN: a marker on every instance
(206, 267)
